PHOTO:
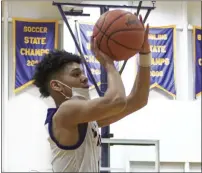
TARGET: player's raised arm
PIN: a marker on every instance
(77, 111)
(138, 98)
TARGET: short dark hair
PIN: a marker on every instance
(51, 63)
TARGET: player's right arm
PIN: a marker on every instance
(113, 102)
(81, 111)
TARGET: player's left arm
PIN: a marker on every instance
(136, 100)
(138, 97)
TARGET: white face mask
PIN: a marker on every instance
(81, 92)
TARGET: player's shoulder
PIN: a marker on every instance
(68, 106)
(73, 102)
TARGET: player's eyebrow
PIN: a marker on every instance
(76, 69)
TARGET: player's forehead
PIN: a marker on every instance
(73, 67)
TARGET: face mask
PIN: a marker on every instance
(81, 92)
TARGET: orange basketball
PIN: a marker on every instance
(119, 34)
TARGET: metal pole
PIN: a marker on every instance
(157, 161)
(79, 40)
(146, 16)
(133, 142)
(139, 7)
(101, 5)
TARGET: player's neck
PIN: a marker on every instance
(59, 101)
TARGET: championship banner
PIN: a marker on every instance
(31, 40)
(162, 46)
(197, 33)
(83, 34)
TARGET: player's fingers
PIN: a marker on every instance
(146, 35)
(98, 53)
(140, 18)
(95, 48)
(92, 43)
(91, 40)
(147, 30)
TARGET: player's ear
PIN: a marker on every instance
(56, 86)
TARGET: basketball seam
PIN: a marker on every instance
(109, 26)
(108, 37)
(120, 43)
(109, 48)
(101, 27)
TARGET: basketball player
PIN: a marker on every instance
(73, 125)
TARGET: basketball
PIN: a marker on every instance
(119, 34)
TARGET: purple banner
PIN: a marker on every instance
(197, 33)
(162, 45)
(32, 39)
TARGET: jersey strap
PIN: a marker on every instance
(82, 129)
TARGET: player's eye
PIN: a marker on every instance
(76, 74)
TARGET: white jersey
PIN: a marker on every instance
(82, 157)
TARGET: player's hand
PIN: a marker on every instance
(99, 55)
(145, 47)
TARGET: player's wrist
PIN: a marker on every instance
(144, 60)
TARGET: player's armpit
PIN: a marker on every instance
(81, 111)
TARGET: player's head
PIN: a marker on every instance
(57, 73)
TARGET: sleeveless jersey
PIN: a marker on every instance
(82, 157)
